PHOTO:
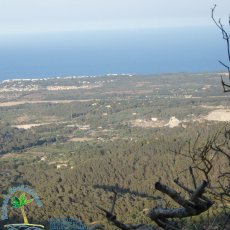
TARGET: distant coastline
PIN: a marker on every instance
(218, 72)
(152, 51)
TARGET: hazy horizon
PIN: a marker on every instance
(72, 37)
(143, 51)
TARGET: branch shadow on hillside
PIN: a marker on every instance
(123, 191)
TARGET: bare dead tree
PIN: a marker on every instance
(226, 37)
(211, 161)
(204, 160)
(223, 180)
(196, 204)
(202, 156)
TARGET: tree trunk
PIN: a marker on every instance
(24, 215)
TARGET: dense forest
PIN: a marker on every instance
(129, 133)
(14, 139)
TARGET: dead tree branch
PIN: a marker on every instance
(193, 177)
(226, 37)
(197, 204)
(204, 158)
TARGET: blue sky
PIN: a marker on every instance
(37, 16)
(87, 37)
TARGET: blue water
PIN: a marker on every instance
(101, 52)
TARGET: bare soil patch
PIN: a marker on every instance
(148, 123)
(218, 115)
(14, 103)
(81, 139)
(29, 126)
(22, 119)
(10, 155)
(213, 107)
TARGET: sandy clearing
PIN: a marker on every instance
(127, 92)
(155, 123)
(72, 87)
(58, 162)
(29, 126)
(81, 139)
(11, 103)
(10, 155)
(214, 107)
(217, 96)
(22, 119)
(148, 123)
(218, 115)
(173, 122)
(221, 115)
(14, 103)
(25, 119)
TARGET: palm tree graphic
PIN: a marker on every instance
(20, 203)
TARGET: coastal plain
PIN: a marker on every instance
(83, 135)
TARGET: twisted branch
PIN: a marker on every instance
(226, 36)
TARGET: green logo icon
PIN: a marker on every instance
(19, 202)
(17, 198)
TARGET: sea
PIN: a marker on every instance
(92, 53)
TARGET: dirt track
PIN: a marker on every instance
(14, 103)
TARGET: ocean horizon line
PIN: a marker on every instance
(39, 78)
